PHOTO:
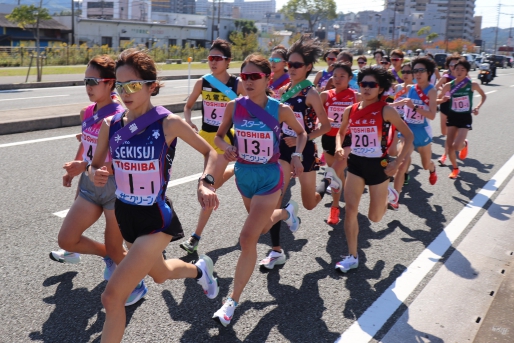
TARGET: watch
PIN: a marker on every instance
(87, 168)
(415, 107)
(298, 154)
(207, 178)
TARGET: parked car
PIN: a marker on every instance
(501, 61)
(510, 60)
(440, 60)
(478, 60)
(471, 61)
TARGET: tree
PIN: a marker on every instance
(313, 11)
(29, 17)
(413, 44)
(245, 26)
(374, 44)
(430, 36)
(245, 43)
(294, 38)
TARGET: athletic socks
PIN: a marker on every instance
(200, 273)
(195, 236)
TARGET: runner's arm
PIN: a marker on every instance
(314, 101)
(342, 132)
(476, 87)
(317, 78)
(98, 174)
(430, 114)
(188, 107)
(226, 123)
(441, 97)
(286, 115)
(394, 118)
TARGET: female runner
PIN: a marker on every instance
(279, 76)
(322, 77)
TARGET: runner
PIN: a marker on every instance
(420, 105)
(335, 101)
(444, 106)
(259, 177)
(142, 168)
(279, 76)
(347, 58)
(378, 54)
(322, 77)
(217, 89)
(90, 201)
(459, 117)
(369, 122)
(396, 65)
(436, 76)
(308, 109)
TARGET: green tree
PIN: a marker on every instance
(245, 26)
(244, 43)
(430, 36)
(29, 16)
(313, 11)
(374, 44)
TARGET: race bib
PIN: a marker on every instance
(89, 143)
(336, 114)
(137, 182)
(290, 132)
(412, 117)
(460, 104)
(213, 112)
(365, 141)
(255, 146)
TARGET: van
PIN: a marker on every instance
(440, 60)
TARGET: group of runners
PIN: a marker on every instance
(266, 120)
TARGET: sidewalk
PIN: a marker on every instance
(471, 297)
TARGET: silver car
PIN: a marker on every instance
(471, 61)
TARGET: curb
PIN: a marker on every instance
(67, 120)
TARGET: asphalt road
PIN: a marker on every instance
(305, 300)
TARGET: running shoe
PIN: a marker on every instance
(393, 198)
(464, 152)
(322, 161)
(110, 266)
(329, 190)
(454, 173)
(64, 256)
(225, 313)
(191, 245)
(333, 218)
(208, 282)
(407, 179)
(273, 258)
(293, 222)
(433, 177)
(442, 160)
(136, 295)
(349, 262)
(335, 181)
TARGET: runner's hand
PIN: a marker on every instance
(339, 154)
(100, 177)
(66, 180)
(409, 103)
(446, 98)
(297, 166)
(75, 168)
(207, 197)
(290, 141)
(230, 153)
(391, 168)
(79, 137)
(475, 111)
(193, 126)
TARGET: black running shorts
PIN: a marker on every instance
(369, 169)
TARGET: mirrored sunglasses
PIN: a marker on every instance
(93, 81)
(252, 76)
(368, 84)
(275, 60)
(216, 58)
(131, 87)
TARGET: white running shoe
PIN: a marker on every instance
(110, 266)
(393, 198)
(349, 262)
(138, 292)
(293, 222)
(335, 181)
(64, 256)
(273, 258)
(329, 190)
(225, 313)
(207, 281)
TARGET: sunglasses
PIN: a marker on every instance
(368, 84)
(331, 59)
(419, 70)
(252, 76)
(396, 59)
(384, 62)
(275, 60)
(131, 87)
(295, 65)
(93, 81)
(359, 62)
(406, 72)
(453, 65)
(216, 58)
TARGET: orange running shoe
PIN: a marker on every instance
(464, 152)
(442, 160)
(454, 173)
(433, 177)
(333, 218)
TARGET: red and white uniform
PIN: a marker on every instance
(370, 134)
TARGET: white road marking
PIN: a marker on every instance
(372, 320)
(36, 97)
(53, 138)
(512, 86)
(186, 179)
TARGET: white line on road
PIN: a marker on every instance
(53, 138)
(512, 86)
(372, 320)
(35, 97)
(186, 179)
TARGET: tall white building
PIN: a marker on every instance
(139, 10)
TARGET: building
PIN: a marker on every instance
(477, 32)
(50, 32)
(174, 6)
(252, 10)
(140, 10)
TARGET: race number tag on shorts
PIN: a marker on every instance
(365, 140)
(413, 117)
(460, 104)
(137, 182)
(255, 146)
(336, 114)
(290, 132)
(213, 112)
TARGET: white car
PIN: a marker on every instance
(471, 61)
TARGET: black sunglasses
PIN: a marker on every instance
(368, 84)
(295, 65)
(406, 72)
(419, 70)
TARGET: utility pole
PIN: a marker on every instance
(213, 11)
(219, 11)
(72, 21)
(394, 22)
(510, 28)
(497, 28)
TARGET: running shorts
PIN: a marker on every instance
(209, 137)
(310, 155)
(258, 179)
(136, 221)
(422, 135)
(444, 107)
(369, 169)
(100, 196)
(459, 120)
(328, 143)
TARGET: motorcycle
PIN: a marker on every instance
(485, 74)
